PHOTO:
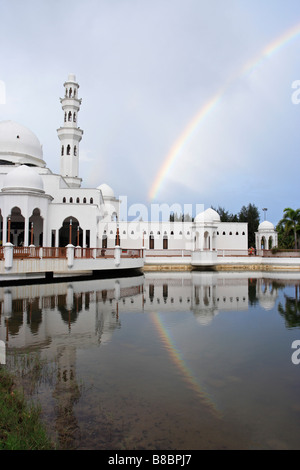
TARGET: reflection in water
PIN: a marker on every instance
(180, 363)
(291, 309)
(93, 354)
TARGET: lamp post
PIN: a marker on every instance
(31, 234)
(8, 228)
(265, 210)
(70, 232)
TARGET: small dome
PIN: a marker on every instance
(266, 225)
(23, 178)
(19, 145)
(106, 191)
(209, 216)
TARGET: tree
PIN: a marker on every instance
(250, 214)
(290, 223)
(225, 216)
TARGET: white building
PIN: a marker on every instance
(40, 208)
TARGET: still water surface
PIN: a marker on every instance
(168, 361)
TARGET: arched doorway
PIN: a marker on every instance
(206, 241)
(17, 227)
(104, 240)
(36, 222)
(70, 232)
(151, 241)
(165, 242)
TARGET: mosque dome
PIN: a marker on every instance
(208, 216)
(23, 178)
(265, 225)
(19, 145)
(106, 190)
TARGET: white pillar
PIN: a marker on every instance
(70, 255)
(8, 255)
(117, 255)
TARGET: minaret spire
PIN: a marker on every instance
(70, 134)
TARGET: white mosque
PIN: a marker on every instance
(42, 209)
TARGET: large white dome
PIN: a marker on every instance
(106, 190)
(19, 145)
(208, 216)
(266, 225)
(23, 178)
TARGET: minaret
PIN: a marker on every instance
(70, 134)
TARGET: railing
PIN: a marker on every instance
(279, 253)
(21, 252)
(131, 253)
(105, 252)
(234, 253)
(54, 252)
(167, 252)
(84, 252)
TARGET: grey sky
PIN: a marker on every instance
(145, 69)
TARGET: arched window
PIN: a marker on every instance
(223, 233)
(151, 241)
(68, 149)
(243, 233)
(230, 233)
(65, 117)
(84, 200)
(71, 199)
(70, 116)
(124, 232)
(62, 149)
(91, 200)
(70, 92)
(74, 117)
(64, 199)
(165, 242)
(77, 200)
(236, 233)
(75, 150)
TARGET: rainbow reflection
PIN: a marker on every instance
(212, 103)
(179, 362)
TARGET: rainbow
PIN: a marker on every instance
(179, 362)
(212, 103)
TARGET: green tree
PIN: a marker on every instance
(250, 214)
(290, 223)
(225, 216)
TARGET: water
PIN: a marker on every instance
(169, 361)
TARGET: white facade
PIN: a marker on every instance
(45, 209)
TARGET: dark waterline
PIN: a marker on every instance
(164, 361)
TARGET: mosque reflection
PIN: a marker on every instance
(56, 320)
(46, 312)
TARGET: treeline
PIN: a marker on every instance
(288, 229)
